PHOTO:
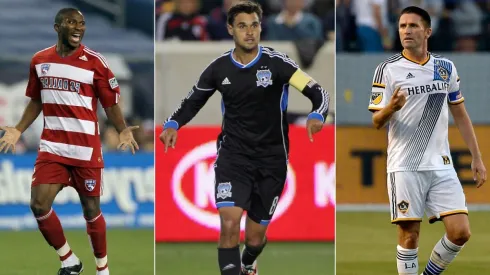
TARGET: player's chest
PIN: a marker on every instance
(419, 80)
(257, 81)
(64, 76)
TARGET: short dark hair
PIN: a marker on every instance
(248, 7)
(418, 11)
(58, 19)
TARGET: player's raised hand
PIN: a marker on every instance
(9, 139)
(398, 99)
(169, 138)
(479, 171)
(313, 126)
(126, 139)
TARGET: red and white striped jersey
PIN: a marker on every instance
(69, 88)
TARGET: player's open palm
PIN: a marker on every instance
(126, 139)
(169, 138)
(9, 139)
(313, 126)
(479, 171)
(398, 99)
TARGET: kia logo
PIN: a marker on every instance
(194, 208)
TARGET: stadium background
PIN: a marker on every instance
(122, 30)
(461, 34)
(186, 220)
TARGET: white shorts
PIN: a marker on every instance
(439, 193)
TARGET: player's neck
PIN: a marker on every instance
(417, 55)
(64, 50)
(245, 57)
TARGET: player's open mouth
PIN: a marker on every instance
(76, 37)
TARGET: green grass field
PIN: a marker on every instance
(26, 252)
(366, 244)
(277, 259)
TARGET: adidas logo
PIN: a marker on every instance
(83, 57)
(410, 75)
(230, 266)
(226, 82)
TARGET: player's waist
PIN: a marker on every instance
(254, 149)
(94, 162)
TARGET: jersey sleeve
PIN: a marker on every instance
(381, 90)
(194, 101)
(287, 67)
(454, 93)
(105, 83)
(33, 89)
(318, 96)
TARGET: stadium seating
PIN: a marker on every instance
(26, 31)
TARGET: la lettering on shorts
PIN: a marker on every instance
(86, 181)
(246, 184)
(438, 193)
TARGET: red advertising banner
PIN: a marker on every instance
(185, 202)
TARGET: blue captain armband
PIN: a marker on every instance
(316, 116)
(455, 97)
(171, 124)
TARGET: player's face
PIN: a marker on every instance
(413, 31)
(71, 29)
(246, 31)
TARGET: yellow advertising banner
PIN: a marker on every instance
(361, 164)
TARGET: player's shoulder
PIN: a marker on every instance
(277, 56)
(94, 56)
(394, 59)
(441, 57)
(38, 56)
(222, 57)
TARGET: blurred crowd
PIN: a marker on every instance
(372, 25)
(284, 20)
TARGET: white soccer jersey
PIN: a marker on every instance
(418, 132)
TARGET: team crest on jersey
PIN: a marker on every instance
(90, 185)
(224, 190)
(45, 68)
(376, 97)
(264, 78)
(442, 70)
(403, 207)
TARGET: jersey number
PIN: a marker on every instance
(274, 205)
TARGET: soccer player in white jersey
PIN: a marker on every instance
(413, 91)
(65, 83)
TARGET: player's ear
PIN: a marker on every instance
(57, 28)
(230, 29)
(428, 32)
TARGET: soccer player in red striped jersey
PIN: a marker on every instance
(65, 82)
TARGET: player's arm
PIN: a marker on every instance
(189, 107)
(318, 96)
(465, 127)
(108, 93)
(193, 102)
(383, 102)
(383, 115)
(31, 112)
